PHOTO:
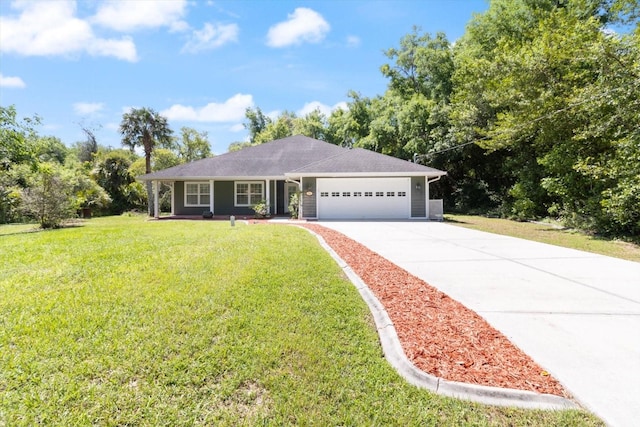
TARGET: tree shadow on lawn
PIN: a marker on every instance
(36, 228)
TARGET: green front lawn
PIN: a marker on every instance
(125, 321)
(551, 234)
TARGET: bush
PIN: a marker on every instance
(294, 205)
(261, 209)
(49, 199)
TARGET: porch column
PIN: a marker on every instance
(156, 196)
(211, 181)
(275, 196)
(173, 198)
(268, 196)
(426, 195)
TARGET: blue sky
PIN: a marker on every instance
(201, 63)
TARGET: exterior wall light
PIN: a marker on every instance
(418, 186)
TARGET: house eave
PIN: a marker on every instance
(363, 174)
(215, 178)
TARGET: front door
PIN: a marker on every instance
(290, 189)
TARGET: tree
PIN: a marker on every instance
(143, 127)
(193, 145)
(276, 129)
(16, 137)
(112, 173)
(313, 125)
(89, 147)
(257, 122)
(17, 149)
(49, 197)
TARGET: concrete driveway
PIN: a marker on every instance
(575, 313)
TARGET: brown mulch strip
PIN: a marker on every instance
(438, 334)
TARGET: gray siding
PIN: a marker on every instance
(179, 208)
(418, 197)
(309, 202)
(222, 201)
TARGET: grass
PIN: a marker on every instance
(551, 234)
(125, 321)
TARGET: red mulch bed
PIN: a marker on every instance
(438, 334)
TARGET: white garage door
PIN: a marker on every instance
(360, 198)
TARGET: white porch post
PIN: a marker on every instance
(211, 181)
(156, 196)
(173, 198)
(268, 196)
(426, 195)
(275, 196)
(300, 199)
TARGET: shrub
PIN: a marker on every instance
(261, 209)
(294, 205)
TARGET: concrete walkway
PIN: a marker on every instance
(575, 313)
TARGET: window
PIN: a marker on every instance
(324, 194)
(368, 194)
(335, 194)
(379, 193)
(390, 194)
(346, 194)
(196, 194)
(249, 193)
(357, 194)
(402, 194)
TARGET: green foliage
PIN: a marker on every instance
(543, 84)
(16, 137)
(261, 209)
(257, 122)
(192, 145)
(294, 205)
(49, 196)
(88, 148)
(112, 173)
(145, 128)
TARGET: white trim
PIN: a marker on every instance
(211, 181)
(217, 178)
(156, 196)
(173, 197)
(235, 192)
(291, 175)
(268, 196)
(199, 194)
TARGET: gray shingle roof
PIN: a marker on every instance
(295, 156)
(361, 161)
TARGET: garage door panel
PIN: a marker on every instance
(357, 198)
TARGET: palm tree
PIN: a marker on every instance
(143, 127)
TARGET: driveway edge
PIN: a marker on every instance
(395, 355)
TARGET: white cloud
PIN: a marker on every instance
(353, 41)
(134, 15)
(303, 25)
(87, 108)
(13, 82)
(51, 28)
(232, 110)
(210, 37)
(238, 127)
(324, 109)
